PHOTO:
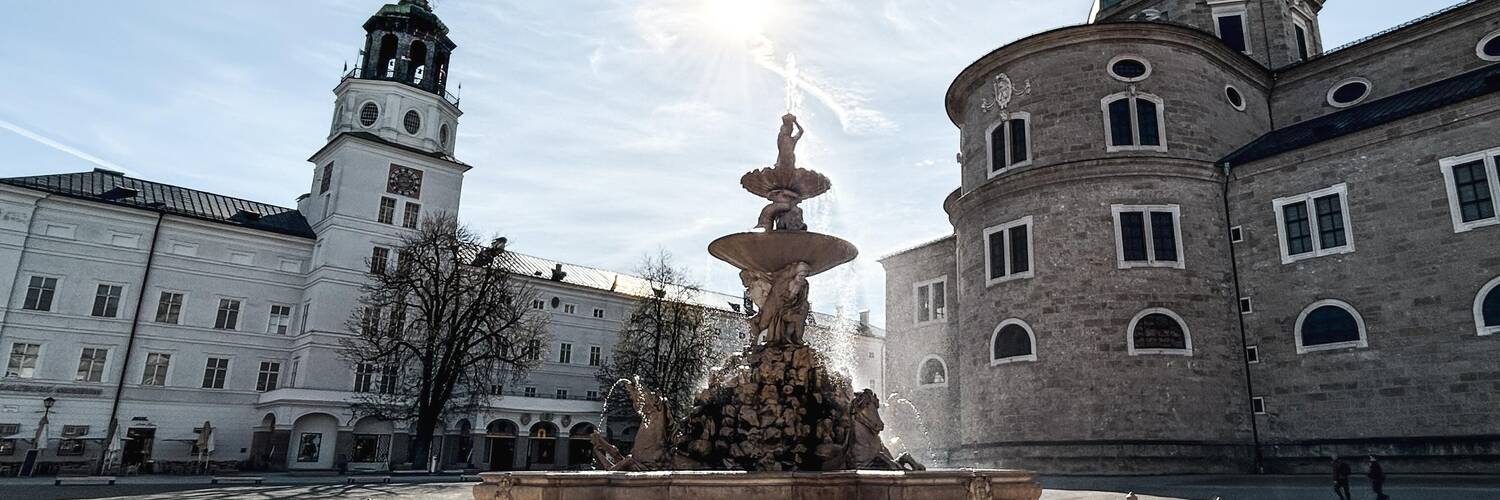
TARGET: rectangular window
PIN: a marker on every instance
(1010, 143)
(1236, 234)
(91, 365)
(23, 359)
(364, 377)
(538, 304)
(379, 257)
(565, 353)
(270, 373)
(1008, 251)
(562, 394)
(306, 311)
(214, 373)
(1230, 24)
(281, 320)
(1314, 224)
(156, 369)
(570, 309)
(369, 320)
(169, 308)
(39, 293)
(1300, 32)
(1258, 405)
(598, 313)
(228, 317)
(1472, 182)
(7, 447)
(596, 356)
(412, 214)
(529, 392)
(327, 178)
(107, 301)
(387, 213)
(534, 350)
(591, 395)
(390, 379)
(1245, 306)
(932, 300)
(1134, 122)
(1252, 354)
(1148, 235)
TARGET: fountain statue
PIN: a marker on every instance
(774, 421)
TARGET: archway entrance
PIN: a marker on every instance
(580, 449)
(500, 438)
(542, 446)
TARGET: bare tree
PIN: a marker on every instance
(441, 329)
(670, 339)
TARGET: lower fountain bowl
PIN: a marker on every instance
(937, 484)
(771, 251)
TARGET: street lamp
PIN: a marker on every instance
(47, 403)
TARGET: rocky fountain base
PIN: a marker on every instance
(773, 422)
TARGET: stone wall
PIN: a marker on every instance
(908, 344)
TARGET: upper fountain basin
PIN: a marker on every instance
(806, 183)
(771, 251)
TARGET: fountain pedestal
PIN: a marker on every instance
(952, 484)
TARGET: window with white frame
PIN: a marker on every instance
(169, 308)
(529, 392)
(23, 359)
(1231, 25)
(538, 304)
(596, 355)
(534, 350)
(1302, 38)
(39, 293)
(281, 319)
(1472, 181)
(228, 316)
(379, 258)
(364, 377)
(411, 215)
(598, 313)
(390, 379)
(1134, 121)
(565, 353)
(932, 300)
(155, 373)
(215, 371)
(1148, 235)
(1314, 224)
(570, 309)
(1010, 143)
(107, 301)
(591, 395)
(562, 393)
(1011, 342)
(91, 363)
(1007, 251)
(387, 212)
(1158, 331)
(1487, 308)
(933, 372)
(1329, 324)
(268, 376)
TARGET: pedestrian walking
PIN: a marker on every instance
(1377, 478)
(1341, 474)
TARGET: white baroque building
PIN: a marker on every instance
(149, 309)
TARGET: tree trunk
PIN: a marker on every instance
(421, 454)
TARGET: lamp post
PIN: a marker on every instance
(28, 467)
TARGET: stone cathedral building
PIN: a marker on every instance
(1188, 237)
(154, 308)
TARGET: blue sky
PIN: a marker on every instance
(601, 130)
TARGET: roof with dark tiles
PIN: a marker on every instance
(1477, 83)
(114, 188)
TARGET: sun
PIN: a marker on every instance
(738, 20)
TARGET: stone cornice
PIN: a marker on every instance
(1008, 185)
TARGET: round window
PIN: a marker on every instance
(368, 113)
(443, 135)
(412, 121)
(1129, 69)
(1235, 98)
(1349, 92)
(1489, 47)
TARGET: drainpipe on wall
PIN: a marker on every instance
(1234, 266)
(140, 299)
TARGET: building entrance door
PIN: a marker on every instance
(137, 450)
(502, 453)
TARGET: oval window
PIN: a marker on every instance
(412, 121)
(1489, 47)
(1235, 98)
(1349, 93)
(1129, 69)
(368, 113)
(443, 135)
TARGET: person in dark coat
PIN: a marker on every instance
(1377, 478)
(1341, 474)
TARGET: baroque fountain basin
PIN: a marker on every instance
(937, 484)
(771, 251)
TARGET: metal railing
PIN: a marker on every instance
(355, 74)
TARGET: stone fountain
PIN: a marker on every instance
(774, 422)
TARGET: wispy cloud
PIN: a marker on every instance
(75, 152)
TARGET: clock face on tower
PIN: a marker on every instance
(405, 182)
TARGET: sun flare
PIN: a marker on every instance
(738, 20)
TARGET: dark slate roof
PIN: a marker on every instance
(1454, 90)
(110, 187)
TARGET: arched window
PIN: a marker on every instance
(1159, 331)
(932, 372)
(1010, 143)
(1012, 341)
(1487, 308)
(418, 56)
(1134, 121)
(386, 61)
(1329, 324)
